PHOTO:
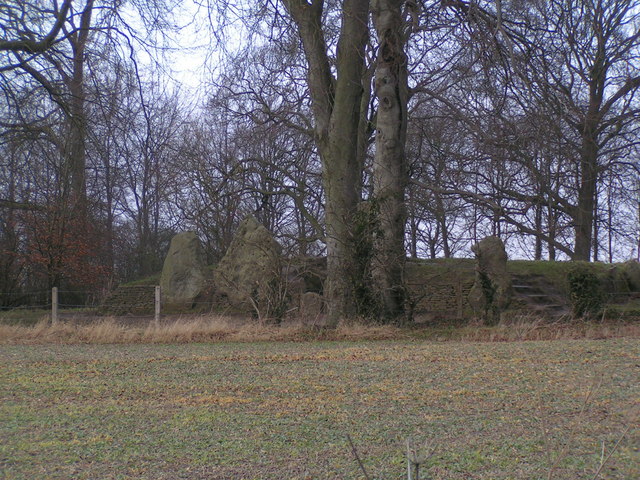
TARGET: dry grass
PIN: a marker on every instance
(186, 330)
(218, 328)
(529, 328)
(207, 329)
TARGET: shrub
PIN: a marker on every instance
(585, 292)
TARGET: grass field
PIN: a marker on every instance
(282, 410)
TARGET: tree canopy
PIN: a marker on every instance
(367, 131)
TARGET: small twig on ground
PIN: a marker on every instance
(603, 460)
(355, 454)
(570, 429)
(417, 456)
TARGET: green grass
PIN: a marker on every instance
(283, 410)
(451, 269)
(29, 317)
(150, 280)
(23, 316)
(441, 269)
(555, 272)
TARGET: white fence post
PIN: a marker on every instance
(54, 305)
(157, 305)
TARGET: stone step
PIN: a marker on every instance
(534, 294)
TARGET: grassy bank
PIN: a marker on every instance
(283, 410)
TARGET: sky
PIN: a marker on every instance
(200, 43)
(185, 54)
(193, 49)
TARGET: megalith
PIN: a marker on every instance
(491, 292)
(631, 274)
(183, 273)
(250, 273)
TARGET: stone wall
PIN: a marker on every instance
(442, 297)
(132, 300)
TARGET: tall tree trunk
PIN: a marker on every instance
(76, 139)
(442, 221)
(337, 104)
(638, 231)
(413, 228)
(390, 172)
(596, 229)
(552, 226)
(610, 222)
(588, 187)
(413, 247)
(584, 211)
(538, 238)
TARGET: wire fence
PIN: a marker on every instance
(621, 297)
(54, 305)
(145, 302)
(25, 300)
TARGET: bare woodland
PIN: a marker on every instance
(366, 131)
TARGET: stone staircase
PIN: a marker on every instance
(534, 295)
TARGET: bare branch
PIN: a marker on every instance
(28, 45)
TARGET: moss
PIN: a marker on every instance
(585, 291)
(365, 228)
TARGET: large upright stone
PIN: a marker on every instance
(183, 276)
(250, 273)
(631, 274)
(491, 292)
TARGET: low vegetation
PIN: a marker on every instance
(257, 410)
(187, 329)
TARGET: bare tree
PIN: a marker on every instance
(546, 94)
(38, 35)
(336, 105)
(390, 171)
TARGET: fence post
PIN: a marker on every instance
(54, 305)
(156, 316)
(459, 298)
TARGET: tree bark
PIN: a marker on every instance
(390, 172)
(587, 188)
(336, 106)
(76, 141)
(538, 238)
(586, 198)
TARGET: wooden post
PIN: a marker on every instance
(156, 317)
(54, 305)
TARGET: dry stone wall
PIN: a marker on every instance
(441, 297)
(129, 300)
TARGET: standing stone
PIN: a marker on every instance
(250, 273)
(631, 273)
(183, 277)
(491, 292)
